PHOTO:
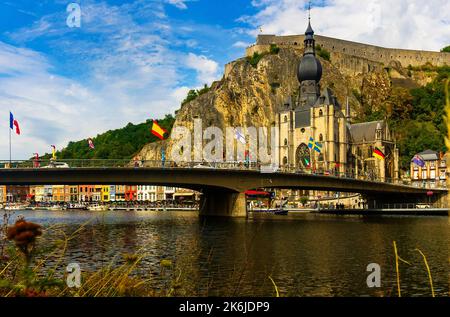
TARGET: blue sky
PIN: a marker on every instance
(135, 60)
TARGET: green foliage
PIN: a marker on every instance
(193, 94)
(416, 116)
(115, 144)
(274, 49)
(446, 49)
(323, 53)
(254, 60)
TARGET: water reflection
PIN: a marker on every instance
(306, 255)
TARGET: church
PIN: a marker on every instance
(317, 135)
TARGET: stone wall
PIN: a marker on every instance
(359, 57)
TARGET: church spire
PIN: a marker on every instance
(309, 35)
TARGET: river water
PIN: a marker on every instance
(304, 254)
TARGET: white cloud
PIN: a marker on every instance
(411, 24)
(241, 44)
(207, 69)
(180, 4)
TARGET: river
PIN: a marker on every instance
(304, 254)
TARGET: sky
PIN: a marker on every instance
(129, 61)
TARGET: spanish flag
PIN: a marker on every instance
(378, 154)
(158, 131)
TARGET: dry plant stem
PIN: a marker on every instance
(428, 270)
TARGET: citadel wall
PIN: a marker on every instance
(356, 57)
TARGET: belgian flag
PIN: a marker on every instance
(378, 154)
(158, 131)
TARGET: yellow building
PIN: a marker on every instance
(105, 193)
(2, 194)
(433, 172)
(58, 193)
(37, 193)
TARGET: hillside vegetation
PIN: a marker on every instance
(121, 143)
(416, 116)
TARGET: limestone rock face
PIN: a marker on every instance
(251, 96)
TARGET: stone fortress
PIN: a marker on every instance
(353, 57)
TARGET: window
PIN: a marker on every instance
(424, 174)
(285, 142)
(320, 137)
(285, 160)
(320, 113)
(433, 174)
(285, 118)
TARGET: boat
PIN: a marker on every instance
(15, 207)
(98, 208)
(55, 208)
(280, 212)
(76, 207)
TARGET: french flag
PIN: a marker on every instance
(13, 123)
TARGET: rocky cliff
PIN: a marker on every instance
(251, 96)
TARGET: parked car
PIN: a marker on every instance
(57, 165)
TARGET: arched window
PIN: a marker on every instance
(285, 142)
(302, 156)
(303, 130)
(285, 119)
(320, 113)
(285, 160)
(320, 137)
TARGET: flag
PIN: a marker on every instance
(378, 154)
(13, 123)
(54, 152)
(158, 131)
(239, 136)
(418, 160)
(314, 145)
(36, 160)
(91, 144)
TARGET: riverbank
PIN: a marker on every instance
(387, 212)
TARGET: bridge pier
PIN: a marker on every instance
(223, 204)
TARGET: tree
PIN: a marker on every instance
(446, 49)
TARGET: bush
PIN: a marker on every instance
(254, 60)
(323, 53)
(274, 49)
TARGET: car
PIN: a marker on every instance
(204, 165)
(57, 165)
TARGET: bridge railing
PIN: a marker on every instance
(238, 165)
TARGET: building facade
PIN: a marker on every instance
(432, 173)
(316, 133)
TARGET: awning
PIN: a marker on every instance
(256, 193)
(183, 194)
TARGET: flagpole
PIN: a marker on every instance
(10, 148)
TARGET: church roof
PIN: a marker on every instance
(327, 98)
(365, 131)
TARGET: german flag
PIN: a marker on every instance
(378, 154)
(158, 131)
